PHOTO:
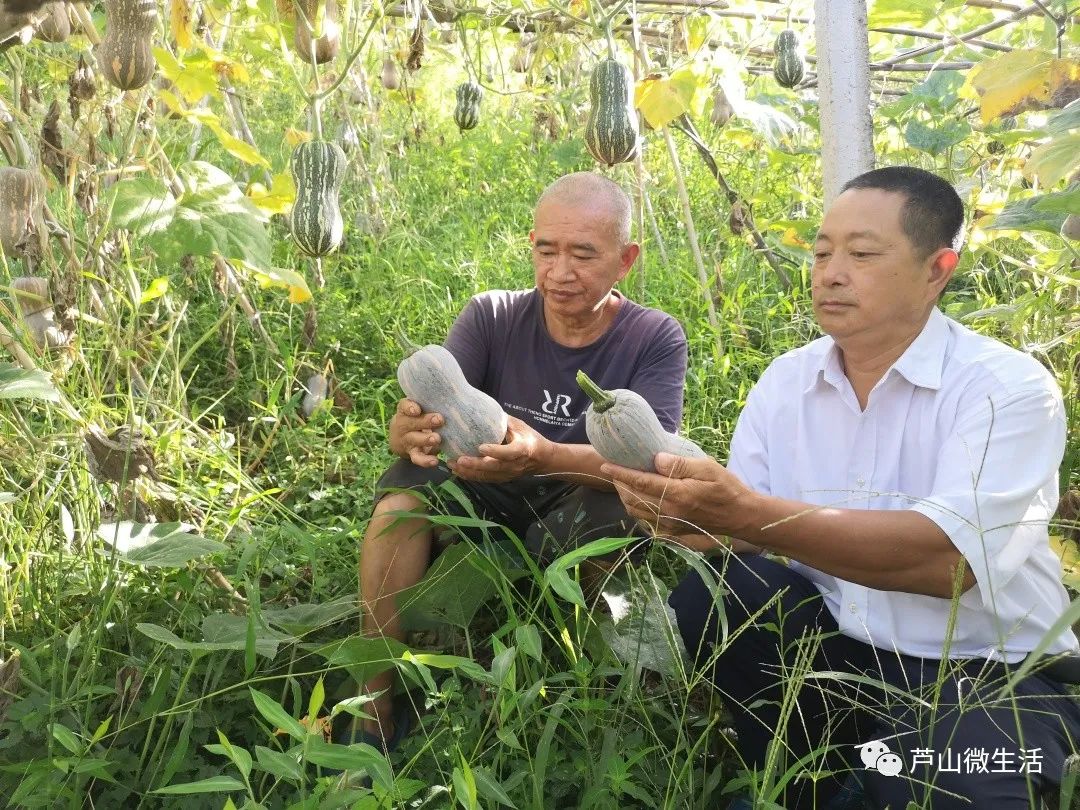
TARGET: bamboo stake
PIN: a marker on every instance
(691, 235)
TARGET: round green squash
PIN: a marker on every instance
(467, 109)
(788, 69)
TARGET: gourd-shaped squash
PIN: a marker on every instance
(19, 200)
(721, 109)
(1070, 228)
(390, 77)
(125, 55)
(431, 377)
(611, 133)
(788, 68)
(467, 109)
(35, 307)
(623, 428)
(15, 25)
(56, 27)
(324, 48)
(318, 168)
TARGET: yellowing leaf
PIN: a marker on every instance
(158, 287)
(223, 65)
(1055, 160)
(1022, 80)
(295, 137)
(237, 148)
(791, 238)
(299, 292)
(180, 23)
(192, 80)
(278, 199)
(662, 100)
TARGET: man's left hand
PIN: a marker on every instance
(684, 495)
(522, 454)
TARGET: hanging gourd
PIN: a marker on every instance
(788, 69)
(623, 428)
(611, 133)
(126, 55)
(20, 199)
(325, 47)
(318, 167)
(721, 108)
(391, 78)
(467, 109)
(56, 27)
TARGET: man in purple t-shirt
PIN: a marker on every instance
(524, 348)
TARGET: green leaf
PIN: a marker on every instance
(909, 13)
(303, 618)
(278, 764)
(315, 701)
(1055, 160)
(351, 757)
(465, 786)
(362, 657)
(1065, 120)
(157, 545)
(527, 638)
(488, 787)
(559, 581)
(935, 140)
(645, 636)
(215, 784)
(158, 287)
(17, 383)
(276, 716)
(66, 737)
(1044, 212)
(238, 756)
(211, 216)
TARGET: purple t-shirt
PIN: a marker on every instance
(503, 346)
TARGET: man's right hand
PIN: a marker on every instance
(412, 434)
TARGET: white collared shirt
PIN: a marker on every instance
(962, 429)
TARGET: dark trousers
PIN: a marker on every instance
(549, 516)
(789, 673)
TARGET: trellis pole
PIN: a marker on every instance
(843, 67)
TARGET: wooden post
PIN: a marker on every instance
(843, 61)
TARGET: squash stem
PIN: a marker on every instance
(602, 400)
(407, 345)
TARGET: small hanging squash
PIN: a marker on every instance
(20, 198)
(125, 55)
(623, 428)
(721, 108)
(56, 27)
(788, 69)
(611, 133)
(318, 167)
(391, 78)
(326, 46)
(467, 109)
(431, 377)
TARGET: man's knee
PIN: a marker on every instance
(586, 515)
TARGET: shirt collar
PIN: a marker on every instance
(920, 364)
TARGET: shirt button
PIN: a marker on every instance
(853, 608)
(860, 481)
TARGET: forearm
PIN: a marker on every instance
(889, 550)
(576, 463)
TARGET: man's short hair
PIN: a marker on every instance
(933, 214)
(593, 191)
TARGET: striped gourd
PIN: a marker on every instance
(325, 47)
(318, 168)
(788, 68)
(19, 201)
(611, 133)
(125, 55)
(467, 109)
(623, 428)
(56, 27)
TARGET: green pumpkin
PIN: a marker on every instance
(788, 69)
(611, 133)
(318, 167)
(467, 109)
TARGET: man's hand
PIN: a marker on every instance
(524, 453)
(684, 496)
(412, 434)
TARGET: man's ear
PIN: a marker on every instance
(532, 237)
(941, 268)
(629, 255)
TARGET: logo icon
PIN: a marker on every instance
(553, 406)
(876, 756)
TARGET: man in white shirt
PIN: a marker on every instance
(907, 468)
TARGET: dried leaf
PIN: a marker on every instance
(1022, 80)
(180, 23)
